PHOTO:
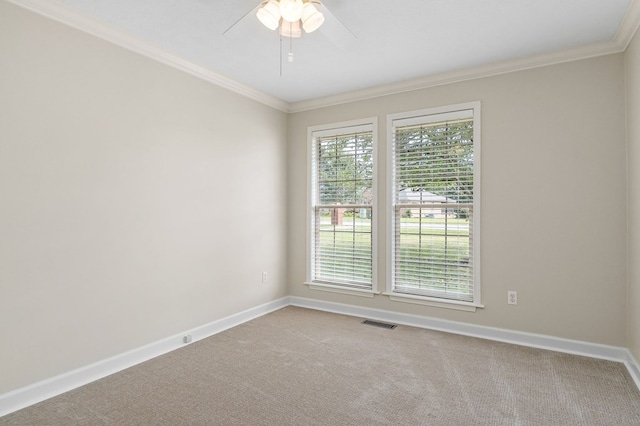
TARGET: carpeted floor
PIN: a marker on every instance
(303, 367)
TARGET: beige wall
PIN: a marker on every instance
(126, 197)
(633, 135)
(120, 224)
(553, 198)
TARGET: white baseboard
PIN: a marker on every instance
(576, 347)
(28, 395)
(34, 393)
(633, 367)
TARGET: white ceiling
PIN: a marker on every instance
(378, 42)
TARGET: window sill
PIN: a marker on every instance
(341, 289)
(430, 301)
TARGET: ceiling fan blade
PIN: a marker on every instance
(254, 10)
(335, 30)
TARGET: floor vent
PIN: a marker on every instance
(379, 324)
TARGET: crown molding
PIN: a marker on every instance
(473, 73)
(67, 16)
(63, 14)
(629, 26)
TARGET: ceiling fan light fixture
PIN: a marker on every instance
(291, 10)
(311, 18)
(291, 16)
(269, 14)
(290, 29)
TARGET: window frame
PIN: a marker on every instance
(338, 128)
(426, 116)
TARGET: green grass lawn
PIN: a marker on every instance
(430, 257)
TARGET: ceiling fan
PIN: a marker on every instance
(292, 17)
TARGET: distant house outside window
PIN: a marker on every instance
(435, 216)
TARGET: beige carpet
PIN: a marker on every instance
(303, 367)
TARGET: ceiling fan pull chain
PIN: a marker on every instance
(280, 55)
(290, 56)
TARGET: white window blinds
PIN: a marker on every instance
(342, 207)
(434, 205)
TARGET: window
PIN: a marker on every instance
(435, 180)
(342, 207)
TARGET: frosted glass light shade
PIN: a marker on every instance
(290, 29)
(269, 14)
(291, 10)
(311, 18)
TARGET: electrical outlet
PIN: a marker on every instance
(512, 297)
(264, 277)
